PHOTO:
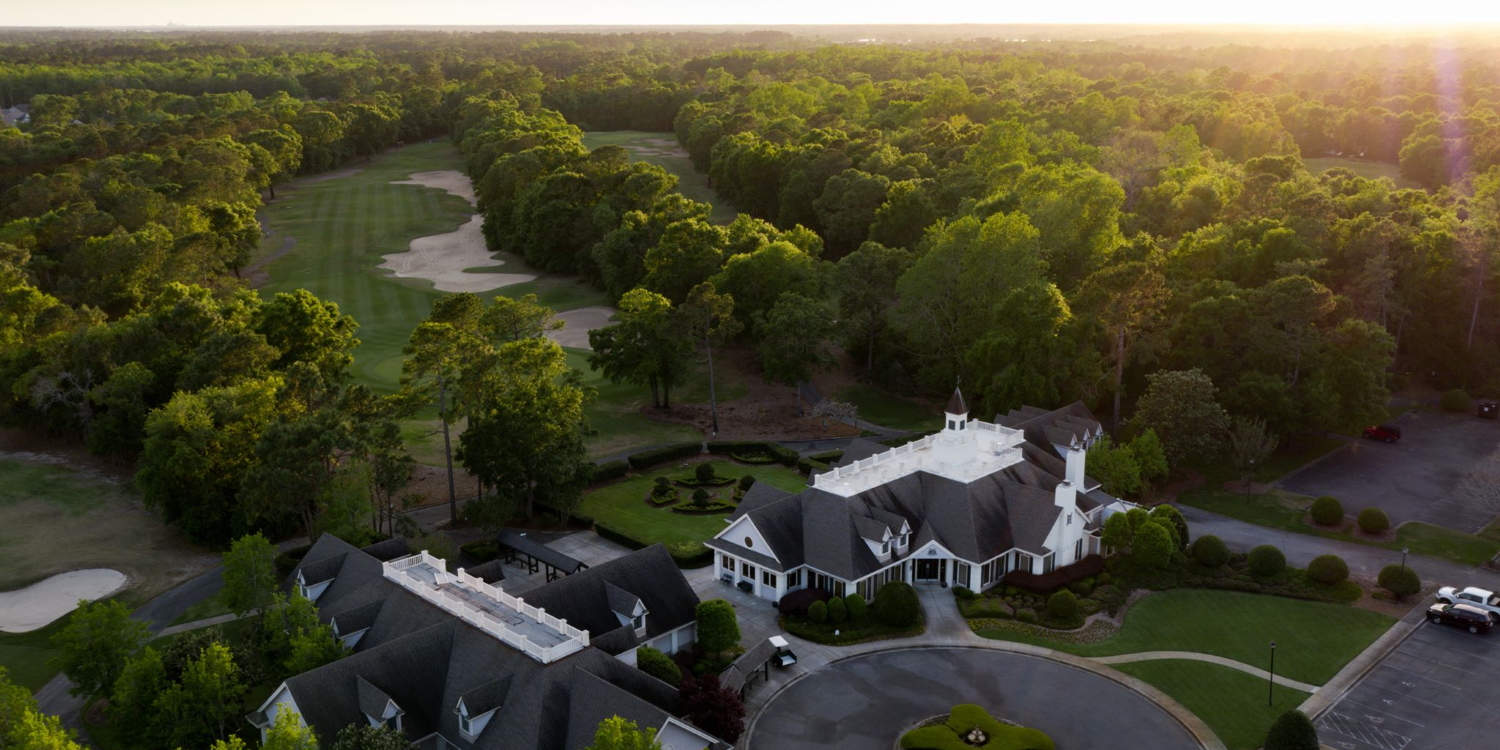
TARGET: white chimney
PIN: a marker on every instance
(1077, 458)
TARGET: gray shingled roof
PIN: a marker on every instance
(389, 549)
(490, 572)
(583, 599)
(758, 496)
(373, 701)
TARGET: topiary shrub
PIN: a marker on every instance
(856, 606)
(1400, 580)
(1266, 561)
(663, 483)
(718, 627)
(704, 472)
(962, 592)
(1373, 521)
(658, 665)
(700, 497)
(1328, 569)
(837, 611)
(817, 611)
(746, 482)
(896, 605)
(1210, 551)
(1327, 510)
(1456, 400)
(1063, 605)
(1292, 731)
(1173, 516)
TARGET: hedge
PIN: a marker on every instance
(697, 483)
(828, 457)
(610, 470)
(897, 605)
(651, 457)
(689, 555)
(808, 466)
(739, 449)
(798, 602)
(479, 552)
(707, 509)
(658, 665)
(1046, 583)
(1455, 400)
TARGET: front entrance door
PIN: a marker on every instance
(931, 570)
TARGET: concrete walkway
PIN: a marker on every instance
(1209, 658)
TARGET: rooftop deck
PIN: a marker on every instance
(510, 619)
(976, 450)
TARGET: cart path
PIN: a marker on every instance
(1209, 658)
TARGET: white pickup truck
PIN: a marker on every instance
(1485, 600)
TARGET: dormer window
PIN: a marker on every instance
(903, 542)
(463, 721)
(639, 622)
(885, 548)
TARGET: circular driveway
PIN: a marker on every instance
(863, 703)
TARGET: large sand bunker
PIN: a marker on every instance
(578, 323)
(42, 603)
(444, 259)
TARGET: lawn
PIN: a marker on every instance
(25, 655)
(343, 226)
(616, 415)
(690, 182)
(1314, 639)
(623, 504)
(1232, 703)
(1370, 170)
(59, 519)
(1283, 510)
(889, 410)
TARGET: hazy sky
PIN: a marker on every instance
(611, 12)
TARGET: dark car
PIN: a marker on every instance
(1487, 410)
(1385, 432)
(1461, 615)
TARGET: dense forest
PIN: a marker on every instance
(1040, 222)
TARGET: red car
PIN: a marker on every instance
(1386, 432)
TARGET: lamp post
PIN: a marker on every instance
(1271, 686)
(1404, 550)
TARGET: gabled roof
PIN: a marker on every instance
(1069, 425)
(859, 449)
(373, 701)
(487, 697)
(758, 496)
(621, 602)
(389, 549)
(584, 599)
(490, 572)
(356, 618)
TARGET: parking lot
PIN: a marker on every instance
(1437, 690)
(1411, 480)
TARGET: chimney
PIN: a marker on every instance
(1076, 459)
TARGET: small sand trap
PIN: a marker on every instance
(40, 604)
(444, 258)
(578, 323)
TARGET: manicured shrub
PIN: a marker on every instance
(1400, 580)
(1456, 400)
(837, 611)
(1292, 731)
(856, 606)
(1046, 583)
(896, 605)
(663, 483)
(704, 472)
(718, 627)
(1153, 545)
(1081, 588)
(746, 482)
(1026, 616)
(700, 496)
(798, 602)
(689, 555)
(610, 470)
(1373, 521)
(480, 552)
(1063, 605)
(1210, 551)
(658, 665)
(1266, 561)
(1327, 510)
(1172, 515)
(1328, 569)
(817, 611)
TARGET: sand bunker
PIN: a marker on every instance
(42, 603)
(575, 334)
(444, 259)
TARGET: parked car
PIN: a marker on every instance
(1487, 410)
(1386, 432)
(1474, 597)
(1461, 615)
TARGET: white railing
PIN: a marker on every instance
(998, 448)
(574, 639)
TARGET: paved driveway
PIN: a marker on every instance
(866, 702)
(1437, 690)
(1412, 480)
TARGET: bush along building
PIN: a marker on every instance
(962, 507)
(454, 662)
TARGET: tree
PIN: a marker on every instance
(713, 707)
(365, 737)
(94, 647)
(294, 640)
(1179, 405)
(1250, 444)
(756, 280)
(867, 291)
(1148, 453)
(306, 329)
(896, 604)
(1115, 468)
(1117, 533)
(206, 702)
(794, 341)
(689, 253)
(1152, 545)
(645, 347)
(1170, 516)
(905, 215)
(249, 574)
(708, 318)
(435, 354)
(132, 705)
(718, 628)
(1292, 730)
(848, 207)
(1128, 300)
(288, 733)
(39, 731)
(1400, 580)
(15, 702)
(1481, 484)
(616, 733)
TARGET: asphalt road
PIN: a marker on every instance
(1437, 690)
(865, 703)
(1413, 479)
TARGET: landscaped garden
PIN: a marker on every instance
(969, 726)
(626, 507)
(820, 617)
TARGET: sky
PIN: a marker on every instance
(1397, 13)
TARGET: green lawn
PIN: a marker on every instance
(1370, 170)
(1283, 510)
(343, 226)
(889, 410)
(25, 655)
(1232, 703)
(1314, 639)
(623, 503)
(690, 182)
(616, 415)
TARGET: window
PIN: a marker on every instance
(1078, 551)
(768, 578)
(747, 569)
(727, 562)
(749, 542)
(885, 548)
(961, 573)
(903, 541)
(1070, 519)
(639, 623)
(463, 724)
(794, 579)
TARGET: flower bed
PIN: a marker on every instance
(970, 726)
(663, 499)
